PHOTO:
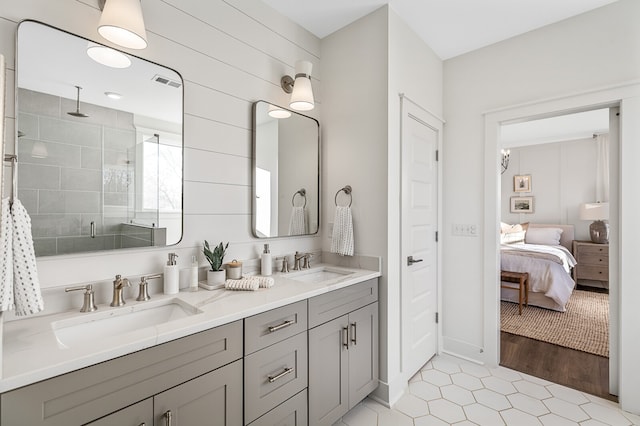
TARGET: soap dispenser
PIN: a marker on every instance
(265, 262)
(171, 275)
(193, 274)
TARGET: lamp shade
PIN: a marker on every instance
(594, 211)
(122, 23)
(276, 112)
(302, 95)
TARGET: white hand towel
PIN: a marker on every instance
(242, 284)
(342, 237)
(26, 285)
(297, 221)
(6, 260)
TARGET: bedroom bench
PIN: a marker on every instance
(520, 278)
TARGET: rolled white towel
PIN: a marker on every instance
(264, 282)
(242, 284)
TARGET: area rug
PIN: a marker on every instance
(584, 326)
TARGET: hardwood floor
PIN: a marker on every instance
(568, 367)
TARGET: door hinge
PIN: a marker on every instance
(437, 155)
(436, 236)
(436, 317)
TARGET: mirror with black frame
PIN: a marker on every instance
(99, 144)
(286, 172)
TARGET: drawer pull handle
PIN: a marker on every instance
(354, 330)
(345, 337)
(142, 424)
(167, 418)
(281, 326)
(286, 371)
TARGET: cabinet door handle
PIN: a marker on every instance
(281, 326)
(167, 418)
(286, 371)
(345, 337)
(354, 329)
(142, 424)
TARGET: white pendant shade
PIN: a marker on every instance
(107, 56)
(302, 95)
(122, 23)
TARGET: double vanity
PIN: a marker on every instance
(302, 352)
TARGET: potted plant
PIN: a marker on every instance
(216, 275)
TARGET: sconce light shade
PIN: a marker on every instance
(122, 23)
(598, 213)
(107, 56)
(300, 88)
(39, 150)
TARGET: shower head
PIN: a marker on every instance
(77, 112)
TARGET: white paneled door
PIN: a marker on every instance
(419, 219)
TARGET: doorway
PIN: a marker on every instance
(564, 162)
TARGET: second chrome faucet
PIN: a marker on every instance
(118, 285)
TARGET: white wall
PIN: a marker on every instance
(365, 67)
(230, 53)
(562, 176)
(591, 51)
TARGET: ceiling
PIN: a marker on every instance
(449, 27)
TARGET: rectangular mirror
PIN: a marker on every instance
(286, 172)
(99, 144)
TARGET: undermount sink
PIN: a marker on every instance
(318, 275)
(96, 326)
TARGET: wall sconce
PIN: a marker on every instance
(505, 160)
(598, 213)
(300, 88)
(122, 23)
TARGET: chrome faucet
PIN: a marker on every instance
(118, 285)
(301, 256)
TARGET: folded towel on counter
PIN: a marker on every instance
(263, 282)
(248, 284)
(26, 284)
(6, 260)
(342, 237)
(297, 221)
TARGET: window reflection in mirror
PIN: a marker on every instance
(286, 173)
(99, 167)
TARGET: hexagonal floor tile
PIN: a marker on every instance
(484, 416)
(455, 393)
(467, 381)
(425, 390)
(446, 410)
(436, 377)
(492, 399)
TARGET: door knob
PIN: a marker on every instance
(411, 260)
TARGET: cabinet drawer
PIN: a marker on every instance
(92, 392)
(135, 415)
(594, 249)
(593, 259)
(274, 326)
(336, 303)
(292, 412)
(588, 272)
(273, 375)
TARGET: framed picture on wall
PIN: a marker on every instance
(521, 204)
(522, 183)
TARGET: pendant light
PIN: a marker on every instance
(122, 23)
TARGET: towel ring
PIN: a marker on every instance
(303, 194)
(346, 190)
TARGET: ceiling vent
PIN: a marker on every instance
(166, 81)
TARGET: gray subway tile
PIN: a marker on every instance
(45, 246)
(28, 125)
(55, 225)
(91, 158)
(57, 154)
(70, 133)
(83, 202)
(96, 114)
(83, 244)
(30, 101)
(119, 139)
(29, 199)
(33, 176)
(81, 179)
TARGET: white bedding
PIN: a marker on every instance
(548, 267)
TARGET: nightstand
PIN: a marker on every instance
(593, 264)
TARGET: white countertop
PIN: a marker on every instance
(31, 351)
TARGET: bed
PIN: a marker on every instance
(545, 253)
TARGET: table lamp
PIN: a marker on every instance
(598, 213)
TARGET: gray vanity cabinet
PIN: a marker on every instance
(140, 414)
(343, 352)
(203, 366)
(275, 363)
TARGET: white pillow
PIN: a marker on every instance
(512, 237)
(546, 236)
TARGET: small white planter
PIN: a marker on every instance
(216, 277)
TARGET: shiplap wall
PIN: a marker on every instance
(230, 54)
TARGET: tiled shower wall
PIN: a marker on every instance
(85, 177)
